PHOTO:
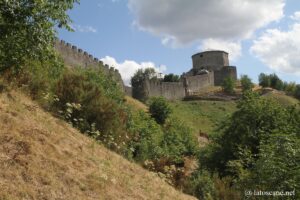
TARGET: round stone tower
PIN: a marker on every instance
(210, 60)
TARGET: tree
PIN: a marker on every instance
(297, 91)
(238, 143)
(228, 85)
(171, 78)
(159, 109)
(275, 82)
(264, 80)
(138, 82)
(246, 83)
(27, 29)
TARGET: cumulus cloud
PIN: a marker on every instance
(185, 22)
(233, 48)
(129, 67)
(84, 29)
(279, 50)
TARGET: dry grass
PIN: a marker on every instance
(136, 104)
(42, 157)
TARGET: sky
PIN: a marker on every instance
(261, 36)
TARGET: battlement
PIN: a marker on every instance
(76, 57)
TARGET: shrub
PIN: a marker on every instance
(171, 78)
(228, 85)
(178, 141)
(96, 112)
(264, 80)
(159, 109)
(246, 83)
(146, 137)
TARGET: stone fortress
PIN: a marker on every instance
(210, 68)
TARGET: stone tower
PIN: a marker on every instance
(210, 60)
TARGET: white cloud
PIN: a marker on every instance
(83, 29)
(186, 22)
(129, 67)
(279, 50)
(296, 16)
(233, 48)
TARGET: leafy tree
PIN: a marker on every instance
(27, 29)
(264, 80)
(159, 109)
(297, 91)
(241, 134)
(171, 78)
(228, 85)
(275, 82)
(246, 83)
(138, 82)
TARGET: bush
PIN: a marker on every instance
(246, 83)
(228, 85)
(178, 141)
(96, 112)
(264, 80)
(146, 137)
(202, 186)
(171, 78)
(297, 91)
(159, 109)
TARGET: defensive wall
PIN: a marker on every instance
(195, 84)
(76, 57)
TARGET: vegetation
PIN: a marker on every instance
(246, 83)
(275, 82)
(171, 78)
(202, 116)
(228, 85)
(137, 82)
(27, 30)
(159, 109)
(253, 146)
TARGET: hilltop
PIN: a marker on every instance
(43, 157)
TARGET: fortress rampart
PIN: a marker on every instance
(76, 57)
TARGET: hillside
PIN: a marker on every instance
(282, 98)
(43, 157)
(202, 115)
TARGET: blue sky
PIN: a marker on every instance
(260, 35)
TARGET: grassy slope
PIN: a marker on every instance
(282, 98)
(202, 115)
(42, 157)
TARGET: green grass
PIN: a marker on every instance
(202, 115)
(283, 99)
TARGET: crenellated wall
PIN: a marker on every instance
(76, 57)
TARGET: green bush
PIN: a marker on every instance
(171, 78)
(246, 83)
(96, 112)
(228, 85)
(178, 141)
(146, 137)
(159, 109)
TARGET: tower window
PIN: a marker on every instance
(201, 55)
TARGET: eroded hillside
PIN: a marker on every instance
(42, 157)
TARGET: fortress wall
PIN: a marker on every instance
(75, 57)
(196, 83)
(227, 71)
(169, 90)
(173, 90)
